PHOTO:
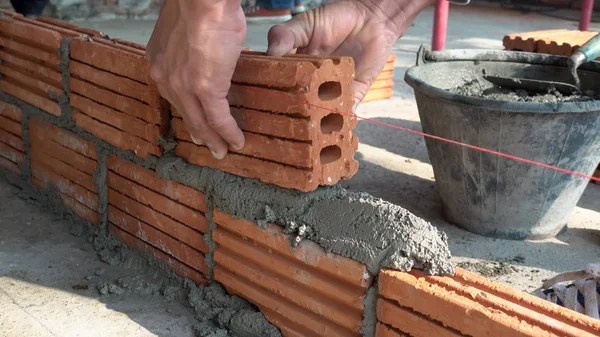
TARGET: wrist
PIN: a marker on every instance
(397, 14)
(197, 7)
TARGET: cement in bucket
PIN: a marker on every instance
(491, 195)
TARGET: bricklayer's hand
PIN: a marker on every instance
(363, 29)
(193, 53)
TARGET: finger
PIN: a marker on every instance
(295, 33)
(197, 126)
(218, 117)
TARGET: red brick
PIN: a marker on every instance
(326, 288)
(176, 191)
(127, 47)
(9, 165)
(528, 41)
(160, 221)
(11, 111)
(35, 35)
(78, 208)
(409, 322)
(63, 169)
(386, 331)
(378, 94)
(63, 185)
(31, 68)
(12, 154)
(35, 85)
(282, 151)
(119, 84)
(124, 104)
(31, 53)
(179, 268)
(25, 95)
(275, 125)
(119, 120)
(563, 44)
(115, 136)
(566, 317)
(382, 84)
(158, 239)
(385, 75)
(115, 60)
(265, 171)
(64, 138)
(158, 202)
(62, 24)
(140, 47)
(460, 311)
(12, 140)
(389, 66)
(11, 126)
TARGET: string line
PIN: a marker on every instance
(397, 127)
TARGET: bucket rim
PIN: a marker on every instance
(426, 57)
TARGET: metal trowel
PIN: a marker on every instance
(530, 85)
(589, 51)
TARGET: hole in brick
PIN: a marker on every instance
(331, 153)
(332, 123)
(330, 90)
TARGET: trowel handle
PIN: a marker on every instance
(591, 49)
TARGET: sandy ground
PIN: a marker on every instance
(40, 261)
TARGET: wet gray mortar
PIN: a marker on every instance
(354, 225)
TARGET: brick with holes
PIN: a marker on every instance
(65, 164)
(296, 114)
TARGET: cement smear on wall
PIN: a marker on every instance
(355, 225)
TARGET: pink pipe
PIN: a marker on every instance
(587, 7)
(440, 24)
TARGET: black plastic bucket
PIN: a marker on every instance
(489, 194)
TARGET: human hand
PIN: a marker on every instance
(363, 29)
(193, 53)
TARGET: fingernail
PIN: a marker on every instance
(237, 147)
(217, 155)
(196, 141)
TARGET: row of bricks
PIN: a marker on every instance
(114, 100)
(383, 86)
(303, 291)
(557, 41)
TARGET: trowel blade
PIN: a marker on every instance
(532, 85)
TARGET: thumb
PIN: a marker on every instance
(285, 37)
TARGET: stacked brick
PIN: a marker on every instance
(162, 217)
(296, 114)
(383, 87)
(66, 163)
(412, 304)
(113, 97)
(557, 41)
(31, 62)
(87, 148)
(304, 292)
(12, 149)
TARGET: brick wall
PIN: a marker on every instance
(81, 121)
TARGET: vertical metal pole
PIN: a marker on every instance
(587, 7)
(440, 24)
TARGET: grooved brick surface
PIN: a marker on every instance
(471, 305)
(305, 292)
(12, 149)
(291, 140)
(377, 94)
(557, 41)
(113, 103)
(528, 41)
(66, 163)
(165, 215)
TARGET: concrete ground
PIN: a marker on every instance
(40, 262)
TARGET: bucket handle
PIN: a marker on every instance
(422, 54)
